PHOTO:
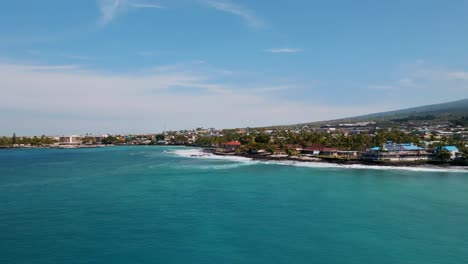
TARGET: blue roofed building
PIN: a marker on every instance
(391, 151)
(454, 152)
(391, 146)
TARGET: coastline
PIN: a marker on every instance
(343, 162)
(288, 160)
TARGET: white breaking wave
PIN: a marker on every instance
(198, 153)
(426, 168)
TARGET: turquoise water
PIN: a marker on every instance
(152, 205)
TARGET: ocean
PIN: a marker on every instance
(154, 204)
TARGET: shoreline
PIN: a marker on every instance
(283, 158)
(344, 162)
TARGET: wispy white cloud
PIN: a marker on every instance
(458, 75)
(12, 67)
(249, 16)
(383, 87)
(422, 83)
(146, 5)
(283, 50)
(110, 9)
(61, 54)
(78, 57)
(92, 101)
(401, 84)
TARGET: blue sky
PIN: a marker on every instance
(129, 66)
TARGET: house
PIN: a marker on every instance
(347, 153)
(295, 147)
(232, 145)
(313, 149)
(332, 152)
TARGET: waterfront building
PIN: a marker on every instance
(295, 147)
(454, 152)
(232, 145)
(313, 149)
(161, 142)
(70, 140)
(396, 152)
(332, 152)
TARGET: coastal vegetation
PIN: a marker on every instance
(282, 138)
(420, 135)
(32, 141)
(339, 145)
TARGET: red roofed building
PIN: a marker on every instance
(313, 149)
(329, 152)
(296, 147)
(232, 145)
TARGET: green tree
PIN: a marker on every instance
(262, 138)
(180, 139)
(109, 140)
(246, 139)
(443, 155)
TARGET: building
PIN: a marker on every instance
(295, 147)
(161, 142)
(313, 149)
(332, 152)
(93, 139)
(454, 152)
(232, 145)
(70, 140)
(396, 152)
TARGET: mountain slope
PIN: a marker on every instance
(449, 110)
(459, 107)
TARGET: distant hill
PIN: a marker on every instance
(454, 108)
(450, 110)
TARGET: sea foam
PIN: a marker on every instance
(200, 154)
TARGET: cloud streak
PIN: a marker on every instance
(283, 50)
(146, 5)
(110, 9)
(71, 99)
(78, 57)
(247, 15)
(458, 75)
(419, 79)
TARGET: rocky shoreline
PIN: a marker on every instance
(340, 161)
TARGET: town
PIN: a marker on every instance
(399, 141)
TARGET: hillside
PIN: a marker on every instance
(454, 108)
(450, 110)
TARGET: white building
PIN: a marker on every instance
(70, 140)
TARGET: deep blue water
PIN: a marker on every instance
(148, 205)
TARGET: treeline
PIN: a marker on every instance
(280, 139)
(414, 118)
(463, 121)
(33, 141)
